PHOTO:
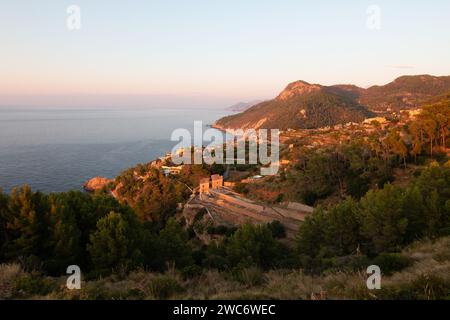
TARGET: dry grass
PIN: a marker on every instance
(8, 274)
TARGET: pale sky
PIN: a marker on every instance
(230, 50)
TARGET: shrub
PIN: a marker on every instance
(278, 229)
(215, 261)
(8, 274)
(191, 271)
(279, 198)
(219, 230)
(357, 187)
(309, 197)
(249, 277)
(390, 263)
(241, 188)
(425, 287)
(33, 284)
(349, 263)
(95, 290)
(191, 232)
(385, 180)
(164, 287)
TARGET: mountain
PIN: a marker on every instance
(404, 93)
(300, 105)
(304, 106)
(242, 106)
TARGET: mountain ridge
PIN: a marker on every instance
(302, 105)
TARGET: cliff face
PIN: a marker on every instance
(302, 105)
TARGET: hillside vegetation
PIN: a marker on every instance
(424, 275)
(44, 234)
(404, 93)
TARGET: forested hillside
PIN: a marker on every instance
(302, 105)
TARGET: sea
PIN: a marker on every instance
(57, 150)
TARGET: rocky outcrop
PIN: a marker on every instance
(96, 184)
(297, 88)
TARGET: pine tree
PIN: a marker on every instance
(253, 245)
(114, 245)
(383, 221)
(67, 248)
(173, 245)
(29, 224)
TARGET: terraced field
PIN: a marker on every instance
(227, 207)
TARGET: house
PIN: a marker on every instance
(216, 181)
(204, 185)
(172, 170)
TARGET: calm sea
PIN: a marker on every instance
(58, 150)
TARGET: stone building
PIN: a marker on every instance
(216, 181)
(204, 185)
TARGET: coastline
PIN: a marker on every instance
(99, 182)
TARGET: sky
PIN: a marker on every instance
(210, 51)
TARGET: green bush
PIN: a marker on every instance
(309, 197)
(349, 263)
(385, 180)
(390, 263)
(241, 188)
(279, 198)
(221, 230)
(278, 229)
(357, 187)
(33, 284)
(191, 271)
